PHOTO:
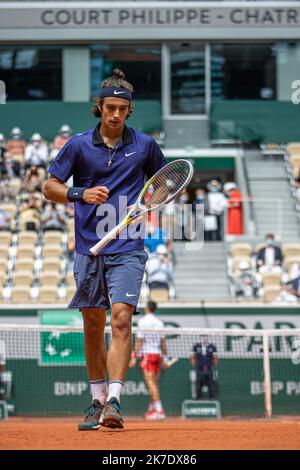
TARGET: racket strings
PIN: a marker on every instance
(167, 183)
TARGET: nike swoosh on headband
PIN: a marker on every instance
(118, 92)
(130, 295)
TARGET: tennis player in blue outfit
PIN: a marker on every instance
(109, 164)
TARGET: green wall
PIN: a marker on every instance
(255, 121)
(46, 117)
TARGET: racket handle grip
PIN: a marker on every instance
(105, 240)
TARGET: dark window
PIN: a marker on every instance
(188, 79)
(141, 65)
(243, 71)
(31, 73)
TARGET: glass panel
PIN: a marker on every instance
(141, 65)
(188, 79)
(31, 73)
(243, 71)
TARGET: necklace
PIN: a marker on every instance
(111, 153)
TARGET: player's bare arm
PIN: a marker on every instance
(56, 191)
(137, 349)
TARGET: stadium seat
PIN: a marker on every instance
(241, 249)
(20, 295)
(293, 147)
(271, 292)
(271, 279)
(27, 238)
(22, 278)
(295, 159)
(159, 295)
(29, 220)
(70, 292)
(11, 209)
(71, 225)
(48, 295)
(3, 265)
(291, 249)
(70, 279)
(2, 278)
(4, 251)
(5, 238)
(25, 251)
(52, 251)
(51, 264)
(23, 264)
(49, 278)
(52, 237)
(290, 261)
(15, 186)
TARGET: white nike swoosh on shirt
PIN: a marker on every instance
(130, 295)
(128, 154)
(118, 92)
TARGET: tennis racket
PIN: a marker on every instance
(159, 190)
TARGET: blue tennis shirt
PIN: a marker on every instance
(85, 157)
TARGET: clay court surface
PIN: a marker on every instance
(171, 434)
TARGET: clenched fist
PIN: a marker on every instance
(97, 195)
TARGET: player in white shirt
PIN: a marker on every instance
(151, 348)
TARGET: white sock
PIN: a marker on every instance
(114, 389)
(99, 390)
(157, 405)
(151, 407)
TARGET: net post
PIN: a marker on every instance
(267, 376)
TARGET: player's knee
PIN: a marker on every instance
(121, 324)
(92, 325)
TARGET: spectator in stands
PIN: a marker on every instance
(156, 236)
(60, 140)
(297, 188)
(210, 221)
(159, 269)
(3, 162)
(234, 209)
(36, 152)
(4, 220)
(53, 218)
(245, 284)
(7, 191)
(293, 287)
(205, 360)
(183, 216)
(15, 150)
(30, 213)
(70, 255)
(33, 180)
(287, 295)
(70, 210)
(269, 258)
(217, 203)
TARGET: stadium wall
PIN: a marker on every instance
(46, 117)
(255, 121)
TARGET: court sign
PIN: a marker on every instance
(201, 409)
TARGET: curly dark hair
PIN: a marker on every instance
(118, 80)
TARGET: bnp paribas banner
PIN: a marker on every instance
(54, 381)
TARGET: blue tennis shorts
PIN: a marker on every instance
(107, 279)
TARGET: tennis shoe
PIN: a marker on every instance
(111, 416)
(91, 420)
